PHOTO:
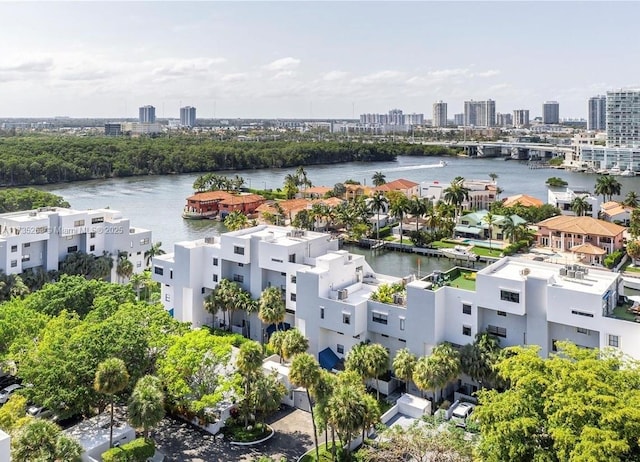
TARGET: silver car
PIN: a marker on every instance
(6, 392)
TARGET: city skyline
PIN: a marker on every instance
(309, 60)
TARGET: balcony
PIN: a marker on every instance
(626, 310)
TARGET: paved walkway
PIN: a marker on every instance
(182, 442)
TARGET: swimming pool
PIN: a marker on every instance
(485, 244)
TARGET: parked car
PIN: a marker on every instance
(6, 392)
(461, 412)
(40, 412)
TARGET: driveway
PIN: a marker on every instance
(182, 442)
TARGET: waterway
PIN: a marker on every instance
(156, 202)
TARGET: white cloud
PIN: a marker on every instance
(283, 64)
(489, 73)
(334, 75)
(378, 77)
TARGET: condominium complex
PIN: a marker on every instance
(439, 114)
(329, 296)
(188, 116)
(597, 113)
(43, 238)
(147, 115)
(551, 112)
(623, 118)
(504, 120)
(480, 113)
(521, 118)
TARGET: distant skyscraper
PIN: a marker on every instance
(458, 119)
(396, 117)
(521, 118)
(480, 113)
(623, 118)
(414, 119)
(147, 115)
(597, 119)
(188, 116)
(551, 112)
(504, 120)
(439, 114)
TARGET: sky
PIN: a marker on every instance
(311, 59)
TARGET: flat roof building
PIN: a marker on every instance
(551, 112)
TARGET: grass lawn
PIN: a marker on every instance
(442, 245)
(464, 283)
(620, 312)
(631, 269)
(486, 252)
(325, 454)
(241, 434)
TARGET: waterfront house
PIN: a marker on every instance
(474, 225)
(482, 193)
(316, 192)
(616, 212)
(353, 191)
(406, 187)
(213, 203)
(564, 199)
(523, 200)
(245, 203)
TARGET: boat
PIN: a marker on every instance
(459, 253)
(631, 282)
(615, 170)
(442, 163)
(628, 172)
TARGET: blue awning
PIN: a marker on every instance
(171, 312)
(328, 359)
(282, 326)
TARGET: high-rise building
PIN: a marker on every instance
(414, 119)
(439, 114)
(480, 113)
(521, 118)
(551, 112)
(147, 115)
(396, 117)
(458, 119)
(504, 120)
(623, 118)
(597, 119)
(112, 129)
(188, 116)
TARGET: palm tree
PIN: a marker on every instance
(305, 372)
(347, 410)
(510, 230)
(398, 208)
(236, 220)
(137, 281)
(579, 205)
(437, 370)
(456, 193)
(379, 179)
(111, 378)
(404, 364)
(608, 186)
(631, 200)
(488, 218)
(493, 176)
(294, 344)
(272, 308)
(42, 440)
(146, 405)
(222, 298)
(248, 363)
(124, 267)
(378, 203)
(290, 185)
(417, 207)
(154, 251)
(377, 363)
(302, 179)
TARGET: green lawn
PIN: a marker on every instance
(486, 252)
(442, 245)
(464, 283)
(631, 269)
(325, 454)
(621, 312)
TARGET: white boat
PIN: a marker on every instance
(615, 170)
(442, 163)
(628, 172)
(631, 282)
(459, 253)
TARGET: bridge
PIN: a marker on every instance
(514, 150)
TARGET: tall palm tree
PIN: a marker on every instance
(236, 220)
(417, 207)
(456, 193)
(607, 186)
(631, 200)
(398, 208)
(305, 372)
(146, 405)
(272, 308)
(377, 363)
(489, 219)
(378, 203)
(404, 364)
(379, 179)
(437, 370)
(509, 230)
(154, 251)
(290, 185)
(248, 363)
(111, 378)
(302, 178)
(579, 205)
(124, 267)
(493, 176)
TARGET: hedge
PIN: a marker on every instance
(138, 450)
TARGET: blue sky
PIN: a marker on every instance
(311, 59)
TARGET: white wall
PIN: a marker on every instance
(5, 447)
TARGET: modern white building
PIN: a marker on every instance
(563, 200)
(482, 193)
(44, 237)
(5, 447)
(623, 118)
(188, 116)
(480, 113)
(255, 258)
(147, 114)
(521, 118)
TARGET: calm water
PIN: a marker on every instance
(156, 202)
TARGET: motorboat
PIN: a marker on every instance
(628, 172)
(615, 170)
(459, 253)
(442, 163)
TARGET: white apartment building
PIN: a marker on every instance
(42, 238)
(255, 258)
(563, 200)
(482, 193)
(602, 157)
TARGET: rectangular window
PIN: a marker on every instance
(167, 297)
(497, 331)
(28, 244)
(92, 248)
(238, 250)
(14, 263)
(293, 279)
(292, 258)
(402, 323)
(170, 274)
(78, 223)
(241, 265)
(215, 262)
(144, 241)
(26, 257)
(359, 269)
(321, 312)
(277, 260)
(502, 313)
(346, 318)
(158, 270)
(582, 330)
(614, 341)
(340, 349)
(283, 274)
(73, 248)
(466, 308)
(238, 278)
(92, 235)
(139, 264)
(582, 313)
(508, 296)
(293, 297)
(554, 345)
(97, 220)
(379, 318)
(215, 278)
(14, 248)
(466, 330)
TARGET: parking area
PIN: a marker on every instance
(181, 441)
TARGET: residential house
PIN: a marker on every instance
(523, 200)
(406, 187)
(482, 193)
(211, 203)
(564, 199)
(616, 212)
(353, 191)
(475, 225)
(316, 192)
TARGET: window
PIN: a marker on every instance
(466, 308)
(73, 248)
(167, 297)
(293, 297)
(14, 263)
(508, 296)
(138, 253)
(582, 313)
(170, 274)
(321, 312)
(277, 260)
(502, 313)
(158, 270)
(466, 330)
(582, 330)
(92, 235)
(26, 257)
(144, 241)
(28, 244)
(380, 318)
(359, 269)
(340, 349)
(346, 318)
(68, 238)
(78, 223)
(293, 279)
(215, 278)
(614, 341)
(497, 331)
(238, 250)
(14, 248)
(202, 291)
(283, 274)
(139, 264)
(238, 278)
(554, 345)
(215, 262)
(241, 265)
(402, 323)
(97, 220)
(92, 248)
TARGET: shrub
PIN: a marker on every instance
(613, 259)
(385, 231)
(138, 450)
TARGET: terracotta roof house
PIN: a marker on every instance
(357, 190)
(616, 213)
(407, 187)
(522, 199)
(245, 203)
(316, 192)
(210, 204)
(565, 232)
